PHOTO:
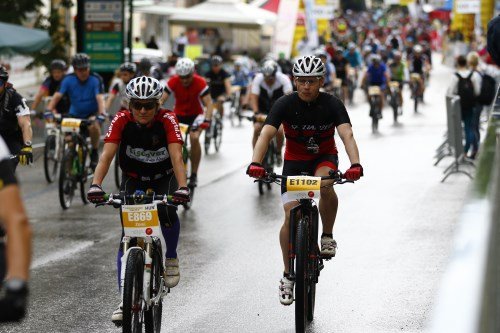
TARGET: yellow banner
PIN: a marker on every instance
(193, 51)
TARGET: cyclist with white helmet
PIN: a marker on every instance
(330, 69)
(267, 87)
(191, 94)
(150, 149)
(127, 72)
(309, 118)
(418, 63)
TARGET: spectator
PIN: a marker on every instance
(138, 43)
(180, 44)
(473, 64)
(152, 43)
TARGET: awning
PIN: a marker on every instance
(218, 13)
(18, 39)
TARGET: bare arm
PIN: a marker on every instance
(254, 103)
(268, 132)
(100, 103)
(109, 101)
(207, 101)
(38, 98)
(108, 153)
(175, 151)
(347, 136)
(25, 125)
(227, 85)
(55, 99)
(14, 218)
(164, 97)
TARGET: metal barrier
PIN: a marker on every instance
(453, 145)
(469, 298)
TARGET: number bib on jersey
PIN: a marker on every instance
(141, 220)
(71, 125)
(303, 187)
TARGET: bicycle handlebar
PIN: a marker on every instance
(116, 200)
(335, 175)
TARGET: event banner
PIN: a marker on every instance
(285, 27)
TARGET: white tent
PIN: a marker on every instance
(220, 13)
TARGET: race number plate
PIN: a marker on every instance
(141, 220)
(303, 187)
(183, 127)
(374, 90)
(394, 84)
(337, 83)
(415, 76)
(71, 125)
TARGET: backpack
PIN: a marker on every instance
(488, 88)
(466, 93)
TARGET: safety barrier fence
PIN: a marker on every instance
(469, 297)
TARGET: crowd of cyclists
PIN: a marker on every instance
(303, 99)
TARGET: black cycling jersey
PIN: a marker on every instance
(340, 67)
(216, 82)
(12, 105)
(417, 64)
(308, 124)
(52, 86)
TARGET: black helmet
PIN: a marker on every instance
(4, 75)
(145, 65)
(80, 60)
(128, 67)
(58, 64)
(216, 60)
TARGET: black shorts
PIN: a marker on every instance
(188, 120)
(297, 168)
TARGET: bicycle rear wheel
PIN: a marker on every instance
(208, 139)
(132, 292)
(152, 316)
(188, 205)
(301, 280)
(50, 158)
(67, 182)
(218, 134)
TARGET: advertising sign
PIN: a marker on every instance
(103, 38)
(467, 6)
(284, 31)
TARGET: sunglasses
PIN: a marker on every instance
(185, 77)
(310, 81)
(136, 105)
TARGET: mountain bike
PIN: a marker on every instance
(214, 133)
(351, 84)
(337, 89)
(396, 103)
(75, 163)
(52, 151)
(305, 259)
(374, 96)
(271, 156)
(117, 171)
(186, 156)
(141, 277)
(235, 108)
(415, 87)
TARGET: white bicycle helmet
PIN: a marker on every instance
(184, 67)
(144, 87)
(309, 66)
(269, 68)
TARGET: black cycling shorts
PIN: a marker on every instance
(188, 120)
(297, 168)
(7, 175)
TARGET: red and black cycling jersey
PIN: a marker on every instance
(307, 123)
(144, 149)
(187, 99)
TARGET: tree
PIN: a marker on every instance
(58, 32)
(16, 11)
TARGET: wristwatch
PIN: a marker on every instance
(27, 143)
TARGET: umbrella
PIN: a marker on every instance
(18, 39)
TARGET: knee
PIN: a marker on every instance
(328, 193)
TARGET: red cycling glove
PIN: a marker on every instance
(205, 124)
(256, 170)
(354, 172)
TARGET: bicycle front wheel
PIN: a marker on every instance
(50, 158)
(132, 292)
(67, 182)
(218, 134)
(301, 281)
(152, 316)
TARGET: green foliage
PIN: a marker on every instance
(60, 36)
(16, 11)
